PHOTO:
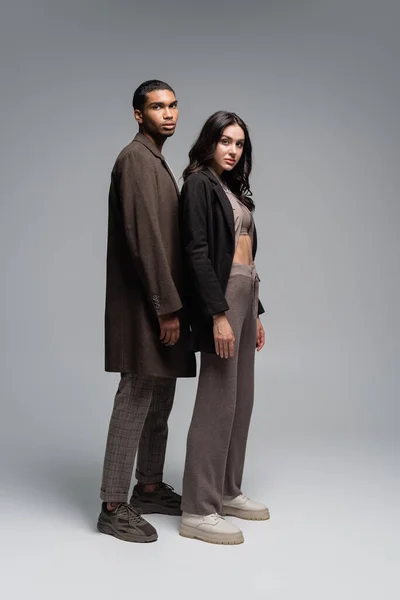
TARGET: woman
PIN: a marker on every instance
(220, 242)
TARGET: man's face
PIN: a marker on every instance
(159, 115)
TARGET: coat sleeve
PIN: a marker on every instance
(138, 197)
(194, 235)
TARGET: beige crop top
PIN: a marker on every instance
(242, 216)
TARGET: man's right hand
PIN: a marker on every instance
(169, 329)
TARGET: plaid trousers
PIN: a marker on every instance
(139, 424)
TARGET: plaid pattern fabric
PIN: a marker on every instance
(139, 419)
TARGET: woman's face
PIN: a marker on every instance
(229, 149)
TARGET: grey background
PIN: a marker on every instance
(318, 84)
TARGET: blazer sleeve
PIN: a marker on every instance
(194, 235)
(138, 196)
(261, 309)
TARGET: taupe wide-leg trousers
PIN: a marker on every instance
(139, 423)
(217, 438)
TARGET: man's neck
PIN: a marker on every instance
(158, 142)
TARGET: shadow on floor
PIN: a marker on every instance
(70, 484)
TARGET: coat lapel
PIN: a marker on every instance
(166, 165)
(143, 139)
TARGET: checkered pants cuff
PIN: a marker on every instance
(149, 478)
(113, 497)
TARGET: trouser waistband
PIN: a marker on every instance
(249, 271)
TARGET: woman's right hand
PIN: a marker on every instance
(223, 336)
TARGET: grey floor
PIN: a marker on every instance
(334, 531)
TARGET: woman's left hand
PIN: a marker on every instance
(260, 335)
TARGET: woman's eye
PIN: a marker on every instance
(224, 142)
(240, 144)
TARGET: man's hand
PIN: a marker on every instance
(223, 336)
(260, 335)
(169, 329)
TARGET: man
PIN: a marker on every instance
(146, 333)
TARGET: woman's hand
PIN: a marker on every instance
(223, 336)
(260, 335)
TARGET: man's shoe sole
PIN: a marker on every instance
(248, 515)
(193, 533)
(108, 530)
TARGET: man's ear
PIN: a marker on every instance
(138, 116)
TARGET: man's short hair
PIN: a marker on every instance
(139, 97)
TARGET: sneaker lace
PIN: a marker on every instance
(216, 517)
(169, 489)
(133, 514)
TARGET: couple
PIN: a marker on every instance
(180, 279)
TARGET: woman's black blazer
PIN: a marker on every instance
(208, 237)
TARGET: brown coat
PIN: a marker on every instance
(144, 267)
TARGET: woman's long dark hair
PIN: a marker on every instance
(202, 153)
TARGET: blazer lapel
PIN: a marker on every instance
(225, 204)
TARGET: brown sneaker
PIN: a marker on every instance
(125, 523)
(163, 501)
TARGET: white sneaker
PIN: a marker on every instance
(210, 528)
(244, 508)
